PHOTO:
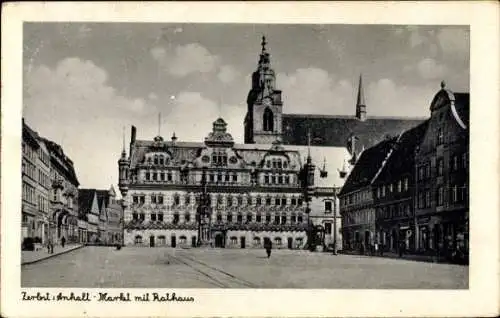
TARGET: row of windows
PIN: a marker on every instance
(29, 152)
(457, 162)
(259, 218)
(398, 187)
(276, 164)
(276, 179)
(43, 179)
(158, 160)
(29, 169)
(230, 200)
(159, 176)
(358, 217)
(394, 211)
(220, 177)
(29, 193)
(456, 194)
(357, 197)
(43, 204)
(43, 156)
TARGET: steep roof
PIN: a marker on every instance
(368, 165)
(102, 198)
(336, 130)
(85, 200)
(462, 108)
(402, 158)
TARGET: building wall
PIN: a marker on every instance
(43, 191)
(442, 185)
(30, 214)
(358, 218)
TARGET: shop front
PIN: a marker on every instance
(444, 235)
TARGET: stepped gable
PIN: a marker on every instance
(336, 130)
(368, 165)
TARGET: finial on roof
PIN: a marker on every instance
(263, 43)
(443, 84)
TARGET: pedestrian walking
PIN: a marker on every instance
(269, 247)
(63, 241)
(376, 248)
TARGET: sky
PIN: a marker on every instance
(84, 82)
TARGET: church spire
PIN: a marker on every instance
(360, 103)
(263, 43)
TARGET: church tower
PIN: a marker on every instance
(263, 121)
(360, 104)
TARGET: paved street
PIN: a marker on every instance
(95, 267)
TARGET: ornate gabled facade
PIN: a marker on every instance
(249, 193)
(442, 187)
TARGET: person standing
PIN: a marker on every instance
(63, 241)
(269, 246)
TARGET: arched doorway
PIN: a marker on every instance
(219, 240)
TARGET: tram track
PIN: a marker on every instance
(219, 277)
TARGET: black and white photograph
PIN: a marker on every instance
(273, 150)
(279, 156)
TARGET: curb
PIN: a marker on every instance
(51, 256)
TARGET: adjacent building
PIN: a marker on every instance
(35, 183)
(413, 189)
(49, 190)
(357, 196)
(442, 187)
(63, 198)
(394, 193)
(102, 213)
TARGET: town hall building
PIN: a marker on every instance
(280, 185)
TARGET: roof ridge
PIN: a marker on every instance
(354, 117)
(386, 159)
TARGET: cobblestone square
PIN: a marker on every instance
(133, 267)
